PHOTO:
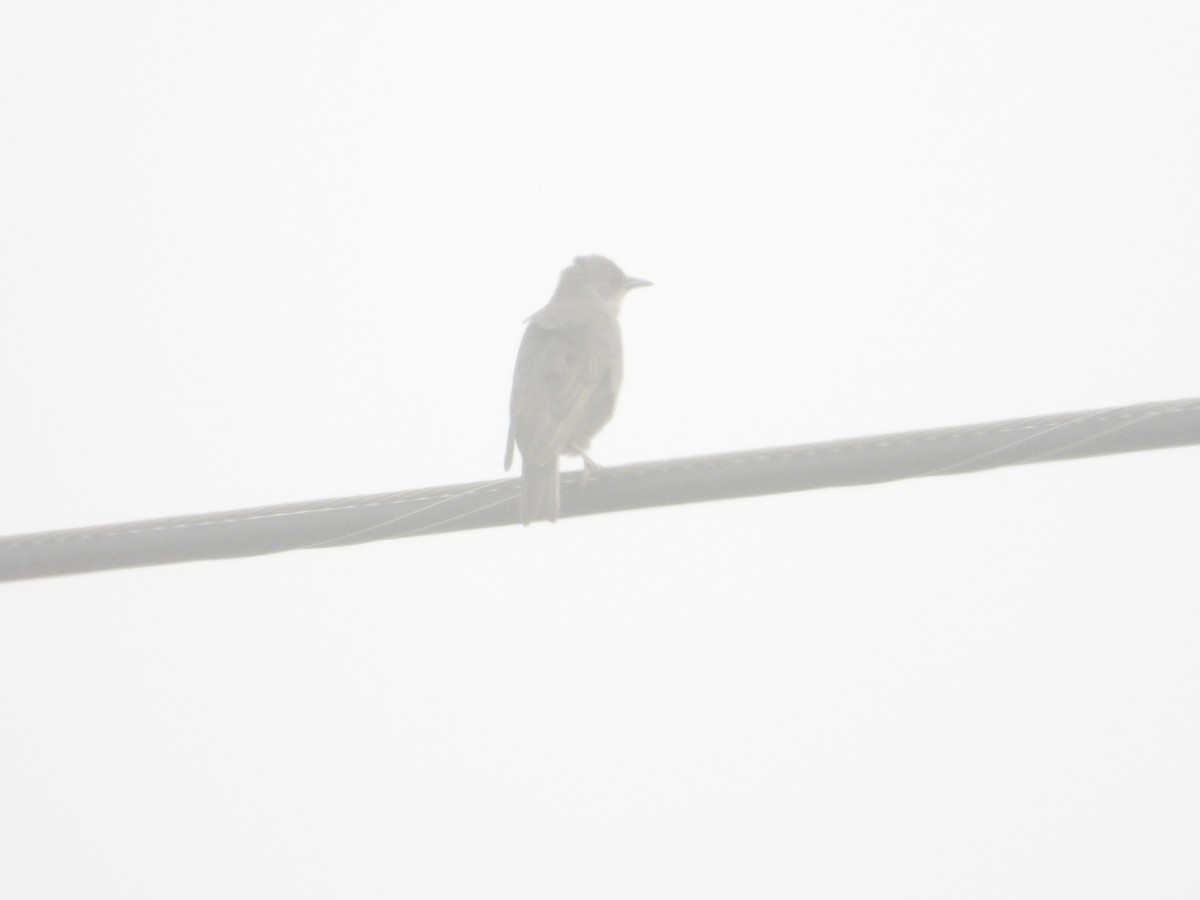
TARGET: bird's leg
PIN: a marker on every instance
(589, 464)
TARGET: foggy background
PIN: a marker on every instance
(267, 252)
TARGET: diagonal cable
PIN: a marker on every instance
(351, 520)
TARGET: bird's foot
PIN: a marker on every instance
(589, 465)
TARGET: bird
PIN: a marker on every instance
(567, 378)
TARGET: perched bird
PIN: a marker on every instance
(567, 377)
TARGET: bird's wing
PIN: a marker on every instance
(558, 371)
(511, 445)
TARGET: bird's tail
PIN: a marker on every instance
(539, 491)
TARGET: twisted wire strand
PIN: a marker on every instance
(856, 461)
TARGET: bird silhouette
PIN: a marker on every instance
(567, 377)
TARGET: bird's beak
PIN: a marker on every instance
(631, 283)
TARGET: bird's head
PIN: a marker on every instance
(597, 279)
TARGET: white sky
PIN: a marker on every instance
(262, 252)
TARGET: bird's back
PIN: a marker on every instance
(565, 386)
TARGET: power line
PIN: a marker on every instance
(353, 520)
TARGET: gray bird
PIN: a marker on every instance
(567, 377)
